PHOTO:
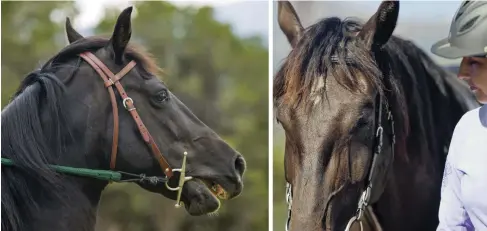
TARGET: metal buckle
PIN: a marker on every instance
(362, 205)
(289, 201)
(363, 202)
(352, 221)
(125, 103)
(182, 179)
(379, 133)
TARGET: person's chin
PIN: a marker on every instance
(481, 96)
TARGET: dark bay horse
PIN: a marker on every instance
(63, 115)
(368, 118)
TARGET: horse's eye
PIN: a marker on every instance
(162, 96)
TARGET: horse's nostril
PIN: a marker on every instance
(240, 165)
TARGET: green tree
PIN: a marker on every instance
(29, 36)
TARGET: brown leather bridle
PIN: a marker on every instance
(111, 80)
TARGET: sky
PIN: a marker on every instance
(246, 17)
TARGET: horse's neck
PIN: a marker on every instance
(424, 147)
(79, 214)
(71, 205)
(35, 199)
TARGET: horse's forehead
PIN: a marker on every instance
(327, 94)
(317, 90)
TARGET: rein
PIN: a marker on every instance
(113, 80)
(107, 175)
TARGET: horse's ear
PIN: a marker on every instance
(379, 28)
(289, 22)
(72, 34)
(121, 34)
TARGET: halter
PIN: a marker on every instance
(111, 80)
(371, 194)
(376, 174)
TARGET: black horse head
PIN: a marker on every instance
(62, 114)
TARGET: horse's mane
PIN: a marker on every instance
(33, 141)
(35, 131)
(312, 59)
(328, 48)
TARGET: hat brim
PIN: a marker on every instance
(444, 49)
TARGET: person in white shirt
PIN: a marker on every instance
(463, 204)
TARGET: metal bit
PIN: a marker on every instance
(182, 179)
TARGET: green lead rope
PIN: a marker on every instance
(107, 175)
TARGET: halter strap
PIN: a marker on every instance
(111, 80)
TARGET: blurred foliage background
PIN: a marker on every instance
(222, 77)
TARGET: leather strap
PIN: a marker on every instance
(371, 220)
(113, 79)
(114, 109)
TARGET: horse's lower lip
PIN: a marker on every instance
(199, 199)
(216, 189)
(473, 88)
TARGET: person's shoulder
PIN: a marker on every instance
(462, 132)
(464, 126)
(469, 119)
(465, 148)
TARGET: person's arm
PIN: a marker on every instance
(452, 215)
